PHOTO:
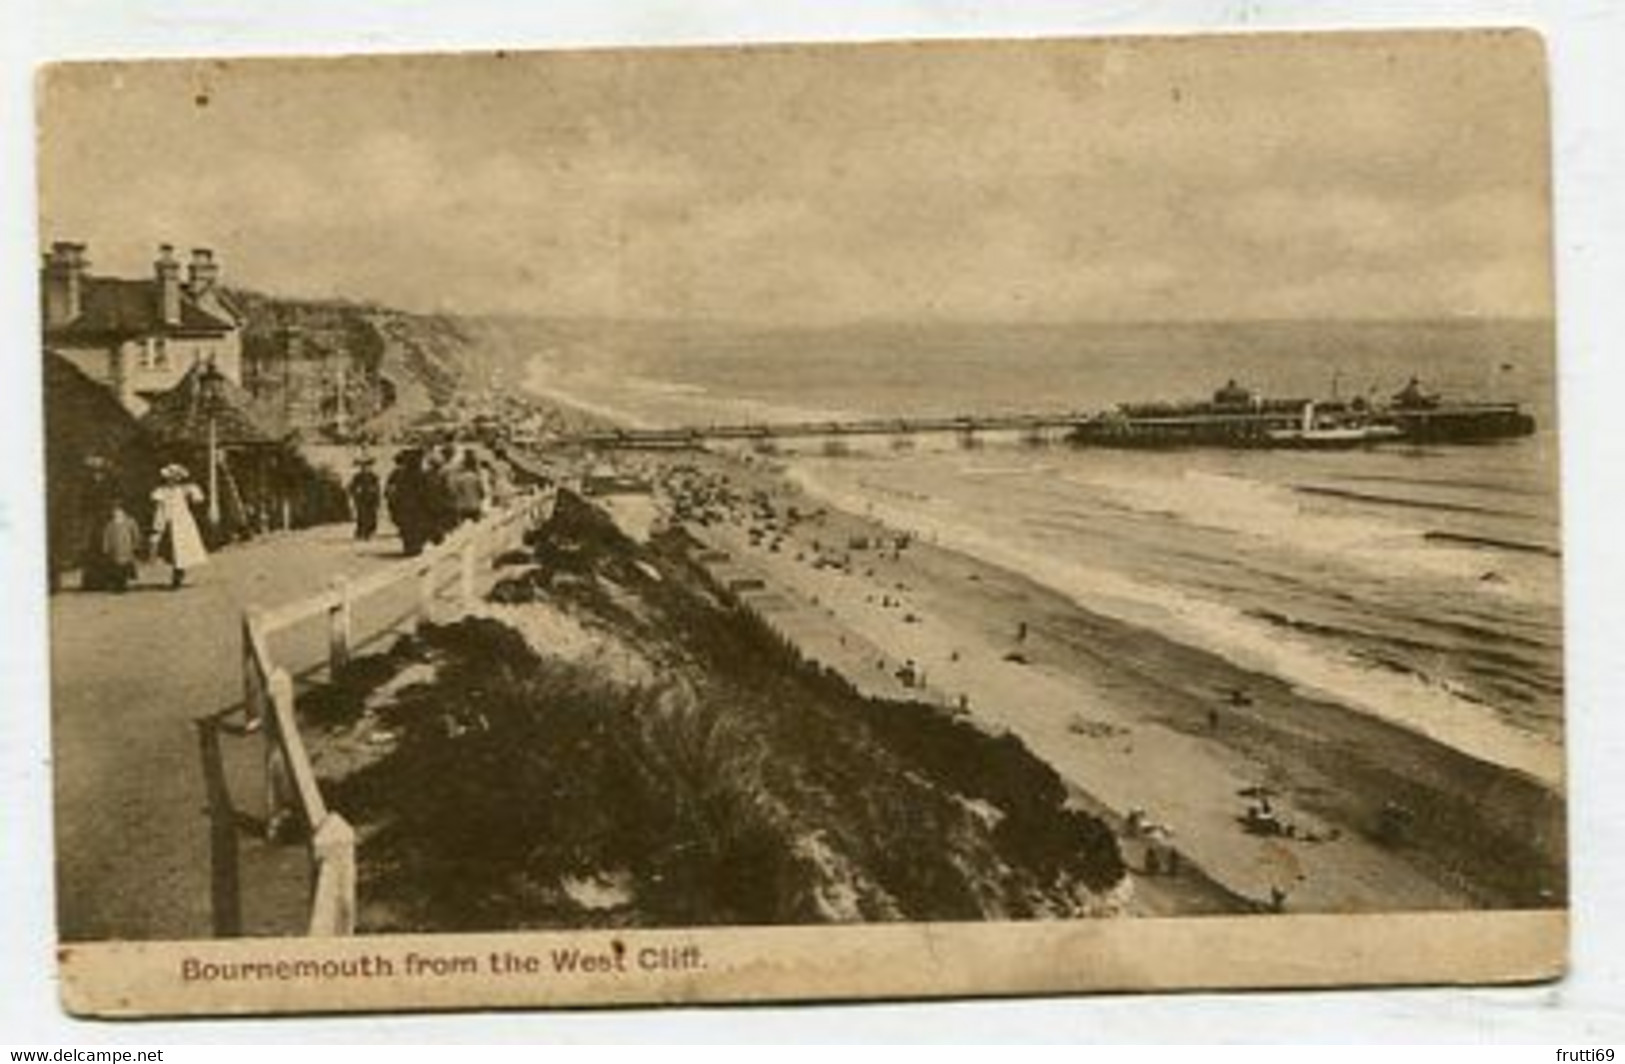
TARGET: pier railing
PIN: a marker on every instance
(293, 796)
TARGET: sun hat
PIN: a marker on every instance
(174, 471)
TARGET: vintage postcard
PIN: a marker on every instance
(798, 522)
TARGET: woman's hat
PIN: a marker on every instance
(174, 471)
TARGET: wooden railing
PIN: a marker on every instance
(293, 796)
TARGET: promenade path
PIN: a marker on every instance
(159, 791)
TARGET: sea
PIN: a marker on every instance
(1420, 584)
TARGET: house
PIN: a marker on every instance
(139, 337)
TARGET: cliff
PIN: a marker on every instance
(333, 366)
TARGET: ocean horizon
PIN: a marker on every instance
(1421, 585)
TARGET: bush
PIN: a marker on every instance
(749, 786)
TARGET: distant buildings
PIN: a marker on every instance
(139, 336)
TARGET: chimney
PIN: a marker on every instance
(168, 273)
(203, 272)
(62, 283)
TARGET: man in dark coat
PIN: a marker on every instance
(408, 496)
(365, 495)
(442, 503)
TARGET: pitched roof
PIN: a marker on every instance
(181, 415)
(117, 306)
(83, 418)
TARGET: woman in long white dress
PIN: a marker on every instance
(174, 529)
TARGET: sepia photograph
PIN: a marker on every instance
(802, 521)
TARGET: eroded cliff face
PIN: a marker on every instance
(615, 741)
(329, 365)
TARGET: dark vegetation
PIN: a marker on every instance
(83, 419)
(85, 422)
(746, 786)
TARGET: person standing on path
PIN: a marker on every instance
(365, 495)
(467, 488)
(174, 530)
(438, 469)
(120, 544)
(98, 495)
(407, 493)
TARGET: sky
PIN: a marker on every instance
(1240, 177)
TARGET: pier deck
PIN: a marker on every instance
(688, 436)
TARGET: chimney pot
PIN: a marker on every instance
(203, 271)
(63, 283)
(168, 272)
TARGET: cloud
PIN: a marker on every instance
(1179, 178)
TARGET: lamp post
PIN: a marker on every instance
(211, 388)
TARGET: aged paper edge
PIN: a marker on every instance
(1210, 35)
(637, 966)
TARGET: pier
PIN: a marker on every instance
(967, 428)
(1234, 417)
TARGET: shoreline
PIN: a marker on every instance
(1136, 721)
(1126, 716)
(1430, 714)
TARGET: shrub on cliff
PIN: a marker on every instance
(748, 786)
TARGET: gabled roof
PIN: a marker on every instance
(118, 307)
(182, 414)
(82, 418)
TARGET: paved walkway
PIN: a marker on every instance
(156, 806)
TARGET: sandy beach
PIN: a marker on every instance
(1350, 813)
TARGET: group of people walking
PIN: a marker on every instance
(116, 541)
(429, 493)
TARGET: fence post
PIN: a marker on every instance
(338, 626)
(253, 687)
(425, 594)
(466, 556)
(334, 904)
(279, 796)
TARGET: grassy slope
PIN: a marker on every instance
(744, 786)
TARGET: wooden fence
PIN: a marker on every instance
(293, 797)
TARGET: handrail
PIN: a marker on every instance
(333, 900)
(292, 790)
(274, 619)
(284, 729)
